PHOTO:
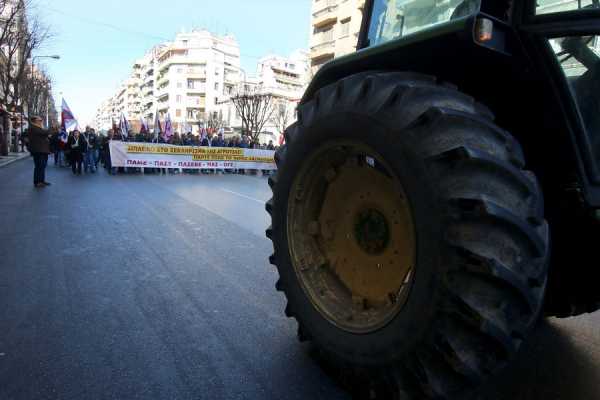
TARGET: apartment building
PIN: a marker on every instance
(184, 79)
(284, 78)
(193, 73)
(335, 25)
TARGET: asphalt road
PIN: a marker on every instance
(157, 287)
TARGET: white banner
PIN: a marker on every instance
(151, 155)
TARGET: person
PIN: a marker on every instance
(243, 144)
(270, 146)
(96, 149)
(22, 139)
(77, 145)
(89, 162)
(219, 142)
(106, 153)
(39, 146)
(54, 148)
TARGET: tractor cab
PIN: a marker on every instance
(565, 35)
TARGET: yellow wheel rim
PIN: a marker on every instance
(351, 236)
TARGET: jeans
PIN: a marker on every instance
(96, 153)
(89, 161)
(76, 161)
(40, 160)
(59, 158)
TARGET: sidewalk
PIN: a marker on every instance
(12, 157)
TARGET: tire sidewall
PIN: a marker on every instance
(401, 335)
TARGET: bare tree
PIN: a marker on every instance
(255, 108)
(215, 120)
(19, 36)
(37, 92)
(282, 116)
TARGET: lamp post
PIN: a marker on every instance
(54, 57)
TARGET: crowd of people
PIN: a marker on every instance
(85, 151)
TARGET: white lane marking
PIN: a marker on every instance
(244, 196)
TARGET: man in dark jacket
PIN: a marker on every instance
(39, 146)
(78, 147)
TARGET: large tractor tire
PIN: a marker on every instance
(410, 242)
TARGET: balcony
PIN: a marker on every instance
(326, 15)
(162, 80)
(195, 102)
(231, 79)
(195, 75)
(174, 59)
(323, 50)
(195, 90)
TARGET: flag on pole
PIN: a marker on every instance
(143, 126)
(64, 137)
(67, 118)
(157, 127)
(124, 126)
(168, 129)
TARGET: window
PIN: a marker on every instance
(179, 85)
(185, 43)
(190, 84)
(324, 34)
(178, 112)
(555, 6)
(217, 86)
(327, 35)
(345, 27)
(579, 57)
(178, 98)
(179, 70)
(394, 19)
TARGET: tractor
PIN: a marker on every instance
(439, 193)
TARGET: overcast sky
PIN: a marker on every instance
(98, 41)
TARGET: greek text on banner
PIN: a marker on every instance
(152, 155)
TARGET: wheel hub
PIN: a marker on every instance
(371, 231)
(351, 237)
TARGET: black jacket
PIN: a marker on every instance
(39, 142)
(81, 148)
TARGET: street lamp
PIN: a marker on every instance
(54, 57)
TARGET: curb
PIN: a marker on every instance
(7, 160)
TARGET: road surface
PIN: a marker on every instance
(157, 287)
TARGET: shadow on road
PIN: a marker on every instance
(558, 362)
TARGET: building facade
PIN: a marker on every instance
(335, 25)
(184, 79)
(284, 79)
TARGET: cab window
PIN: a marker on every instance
(392, 19)
(557, 6)
(579, 58)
